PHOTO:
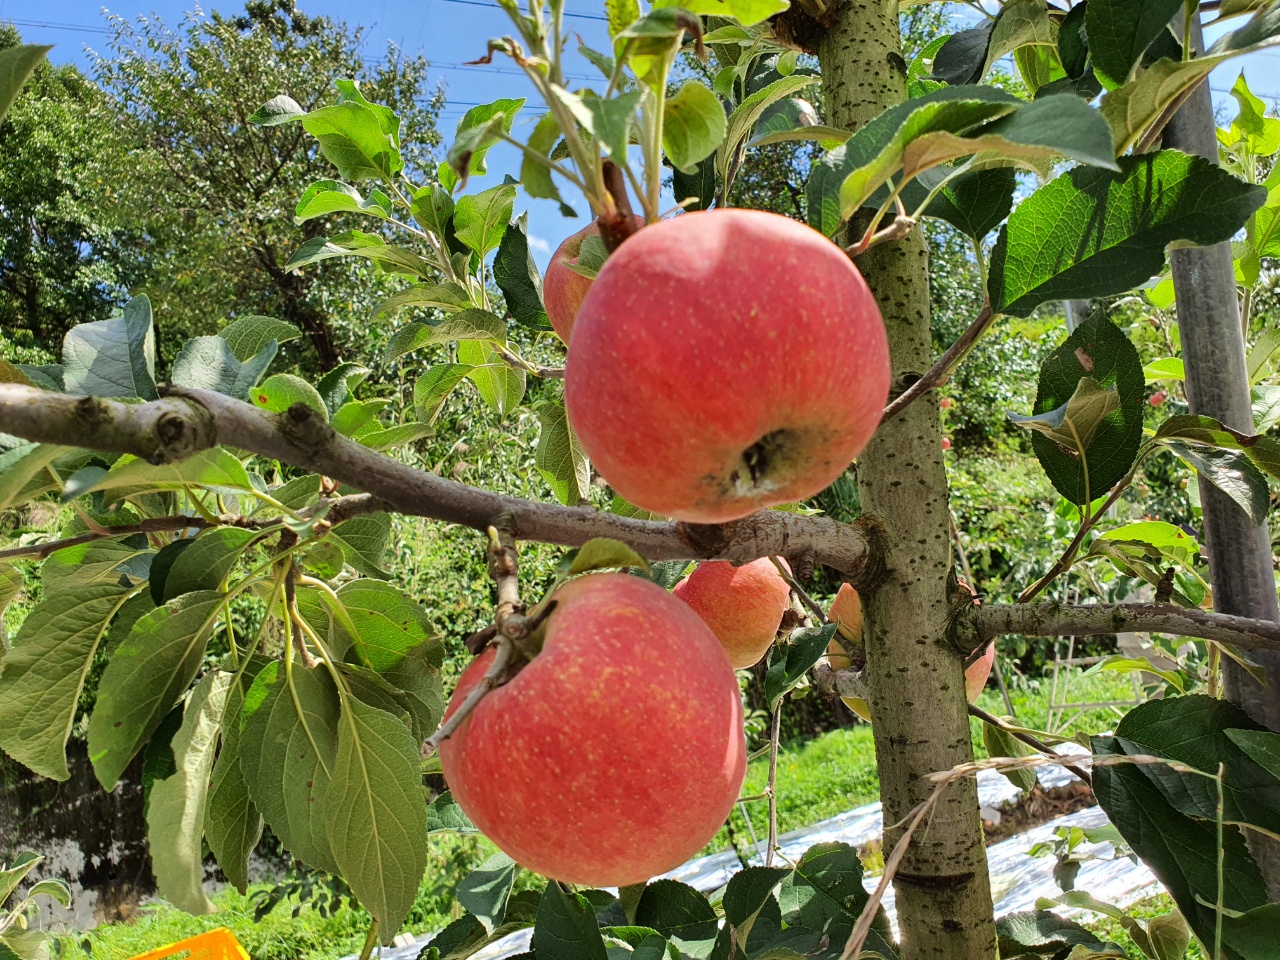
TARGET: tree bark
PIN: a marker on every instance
(915, 676)
(1217, 382)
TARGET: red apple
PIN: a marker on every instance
(846, 613)
(724, 362)
(1158, 398)
(617, 752)
(562, 289)
(946, 403)
(946, 443)
(743, 605)
(976, 674)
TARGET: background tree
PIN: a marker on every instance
(65, 254)
(217, 195)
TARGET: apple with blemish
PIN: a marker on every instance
(724, 362)
(743, 605)
(563, 290)
(624, 734)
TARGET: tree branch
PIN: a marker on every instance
(1034, 742)
(945, 365)
(186, 421)
(1052, 619)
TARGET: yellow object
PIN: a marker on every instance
(219, 944)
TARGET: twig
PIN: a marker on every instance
(303, 628)
(945, 365)
(615, 228)
(901, 226)
(1030, 740)
(40, 551)
(179, 426)
(798, 590)
(968, 574)
(1053, 619)
(772, 789)
(501, 661)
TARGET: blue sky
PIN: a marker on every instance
(449, 32)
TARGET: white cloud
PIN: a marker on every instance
(538, 245)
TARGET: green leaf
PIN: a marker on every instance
(417, 679)
(800, 652)
(333, 196)
(216, 467)
(676, 909)
(54, 888)
(355, 243)
(825, 893)
(12, 877)
(746, 12)
(176, 805)
(1097, 351)
(792, 120)
(484, 891)
(1074, 424)
(566, 926)
(280, 391)
(22, 472)
(146, 676)
(969, 56)
(961, 59)
(277, 110)
(746, 895)
(560, 457)
(1168, 368)
(1261, 746)
(518, 278)
(206, 561)
(43, 673)
(1181, 851)
(113, 358)
(448, 297)
(364, 541)
(694, 125)
(377, 820)
(209, 363)
(1044, 932)
(445, 816)
(352, 137)
(250, 335)
(232, 822)
(601, 553)
(608, 121)
(470, 324)
(745, 116)
(481, 219)
(16, 64)
(1232, 473)
(432, 207)
(432, 389)
(102, 563)
(536, 177)
(700, 185)
(1264, 452)
(19, 944)
(1000, 743)
(478, 131)
(500, 385)
(1093, 233)
(1120, 31)
(974, 202)
(289, 740)
(11, 582)
(379, 438)
(386, 623)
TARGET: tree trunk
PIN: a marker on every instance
(1218, 386)
(916, 678)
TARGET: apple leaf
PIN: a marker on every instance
(500, 385)
(560, 457)
(206, 561)
(1000, 743)
(232, 823)
(792, 659)
(975, 202)
(566, 926)
(745, 116)
(249, 335)
(379, 622)
(1044, 933)
(518, 278)
(281, 391)
(485, 890)
(469, 324)
(177, 805)
(447, 296)
(1110, 429)
(693, 126)
(1095, 233)
(967, 57)
(432, 389)
(1120, 31)
(478, 130)
(377, 820)
(333, 196)
(746, 12)
(209, 363)
(16, 64)
(601, 553)
(1264, 452)
(289, 736)
(113, 358)
(445, 816)
(1232, 473)
(962, 58)
(481, 219)
(364, 542)
(676, 909)
(356, 243)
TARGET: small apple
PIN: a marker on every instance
(617, 752)
(563, 290)
(743, 605)
(946, 403)
(976, 674)
(1158, 398)
(946, 443)
(724, 362)
(846, 613)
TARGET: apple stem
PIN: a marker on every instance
(617, 226)
(771, 789)
(497, 670)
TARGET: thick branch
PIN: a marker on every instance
(1054, 619)
(945, 365)
(300, 437)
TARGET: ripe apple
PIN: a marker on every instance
(1158, 398)
(846, 614)
(946, 403)
(562, 289)
(724, 362)
(946, 443)
(743, 605)
(617, 752)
